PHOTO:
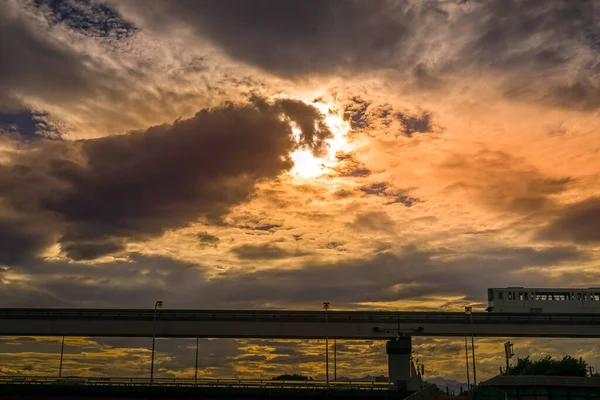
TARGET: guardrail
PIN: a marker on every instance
(428, 391)
(183, 382)
(300, 316)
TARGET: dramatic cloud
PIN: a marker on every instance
(503, 182)
(262, 252)
(579, 223)
(349, 166)
(386, 277)
(429, 42)
(91, 19)
(297, 37)
(34, 64)
(381, 154)
(207, 239)
(415, 124)
(140, 184)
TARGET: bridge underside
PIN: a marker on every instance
(283, 330)
(358, 325)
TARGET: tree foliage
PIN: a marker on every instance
(568, 366)
(292, 377)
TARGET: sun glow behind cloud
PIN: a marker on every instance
(307, 166)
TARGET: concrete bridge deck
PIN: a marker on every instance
(373, 325)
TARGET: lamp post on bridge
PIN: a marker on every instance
(196, 369)
(326, 307)
(157, 305)
(469, 312)
(467, 361)
(62, 352)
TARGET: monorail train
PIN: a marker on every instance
(536, 300)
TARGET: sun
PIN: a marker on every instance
(306, 166)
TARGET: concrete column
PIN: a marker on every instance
(398, 352)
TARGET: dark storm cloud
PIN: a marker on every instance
(87, 17)
(263, 252)
(513, 39)
(564, 31)
(349, 166)
(207, 239)
(412, 124)
(377, 189)
(356, 113)
(365, 116)
(22, 239)
(309, 120)
(34, 64)
(135, 186)
(409, 273)
(377, 221)
(298, 36)
(579, 223)
(392, 196)
(252, 358)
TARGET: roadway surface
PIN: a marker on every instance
(371, 325)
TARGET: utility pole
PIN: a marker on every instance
(469, 311)
(509, 353)
(196, 369)
(158, 304)
(62, 351)
(467, 362)
(326, 307)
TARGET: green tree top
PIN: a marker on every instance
(292, 377)
(568, 366)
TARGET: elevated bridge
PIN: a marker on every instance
(372, 325)
(395, 327)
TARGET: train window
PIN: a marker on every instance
(526, 296)
(499, 295)
(579, 296)
(521, 296)
(510, 295)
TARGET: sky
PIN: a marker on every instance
(263, 154)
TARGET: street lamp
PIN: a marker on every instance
(62, 352)
(469, 312)
(467, 361)
(326, 307)
(196, 370)
(157, 305)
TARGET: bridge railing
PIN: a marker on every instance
(304, 316)
(488, 393)
(205, 382)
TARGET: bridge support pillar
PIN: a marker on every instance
(399, 363)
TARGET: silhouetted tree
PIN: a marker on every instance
(292, 377)
(568, 366)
